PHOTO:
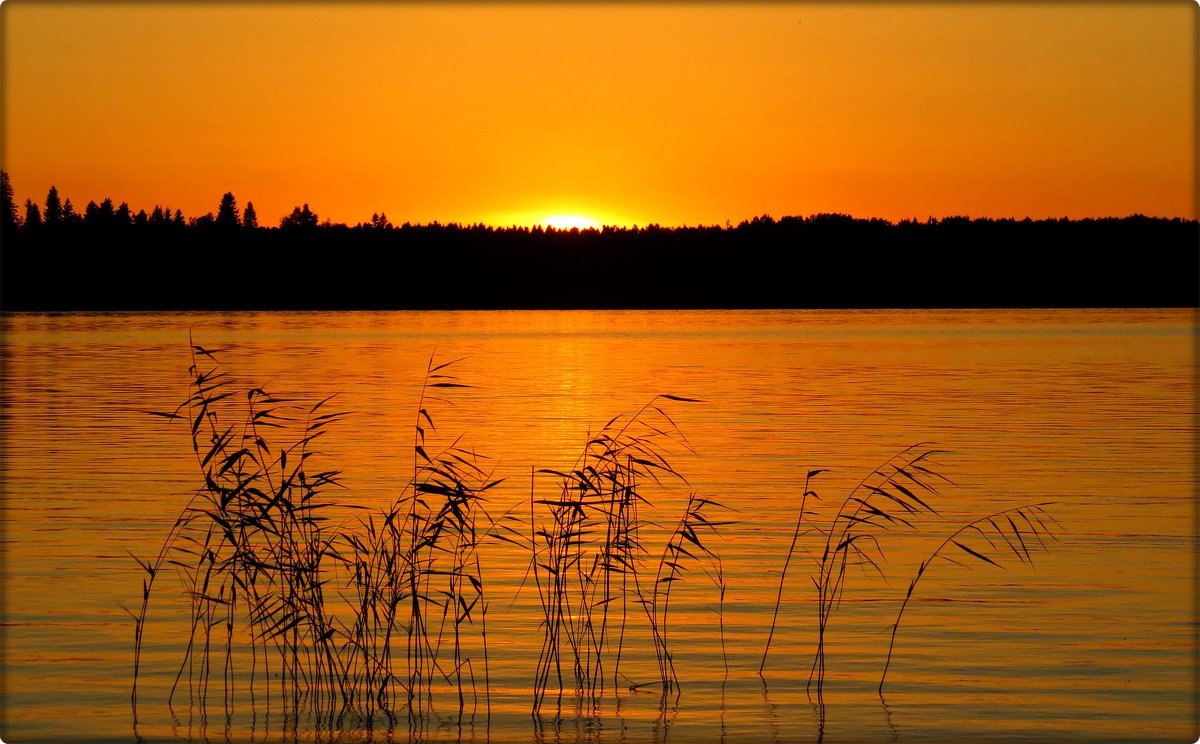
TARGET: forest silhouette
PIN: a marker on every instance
(55, 257)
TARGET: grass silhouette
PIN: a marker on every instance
(383, 613)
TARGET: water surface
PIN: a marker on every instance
(1094, 410)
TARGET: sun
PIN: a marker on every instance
(568, 221)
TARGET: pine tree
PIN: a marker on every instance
(299, 218)
(91, 214)
(8, 209)
(33, 215)
(227, 216)
(54, 208)
(249, 217)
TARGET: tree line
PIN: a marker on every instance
(108, 257)
(57, 213)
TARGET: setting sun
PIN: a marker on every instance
(451, 240)
(568, 221)
(472, 114)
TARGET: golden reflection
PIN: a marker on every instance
(1089, 409)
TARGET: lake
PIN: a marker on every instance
(1092, 410)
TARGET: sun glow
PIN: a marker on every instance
(568, 221)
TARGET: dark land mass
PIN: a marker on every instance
(823, 261)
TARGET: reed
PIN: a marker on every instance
(787, 560)
(893, 495)
(689, 543)
(256, 558)
(588, 559)
(1002, 533)
(587, 552)
(384, 613)
(248, 546)
(883, 499)
(415, 579)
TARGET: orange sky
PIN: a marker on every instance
(629, 113)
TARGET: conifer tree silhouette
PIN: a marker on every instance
(249, 217)
(227, 215)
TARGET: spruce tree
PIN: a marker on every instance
(8, 209)
(33, 215)
(227, 216)
(249, 217)
(54, 208)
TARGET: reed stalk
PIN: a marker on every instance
(587, 557)
(850, 539)
(376, 616)
(1001, 531)
(693, 528)
(254, 554)
(786, 561)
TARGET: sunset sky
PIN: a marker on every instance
(620, 114)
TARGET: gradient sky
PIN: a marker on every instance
(629, 113)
